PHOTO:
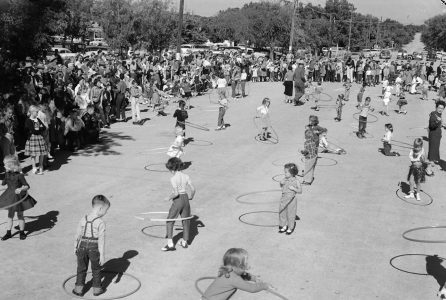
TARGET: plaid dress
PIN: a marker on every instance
(35, 145)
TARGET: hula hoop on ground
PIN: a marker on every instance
(257, 212)
(356, 117)
(334, 162)
(415, 203)
(274, 139)
(33, 233)
(318, 97)
(173, 220)
(196, 126)
(404, 235)
(254, 193)
(410, 272)
(149, 167)
(143, 230)
(16, 203)
(95, 297)
(213, 278)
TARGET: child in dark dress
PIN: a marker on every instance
(181, 115)
(15, 198)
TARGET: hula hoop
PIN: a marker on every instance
(149, 168)
(314, 95)
(337, 146)
(256, 212)
(356, 117)
(203, 143)
(274, 139)
(400, 146)
(404, 235)
(196, 126)
(33, 233)
(410, 272)
(153, 212)
(276, 177)
(16, 203)
(69, 293)
(173, 220)
(334, 161)
(400, 142)
(143, 230)
(420, 127)
(254, 193)
(415, 203)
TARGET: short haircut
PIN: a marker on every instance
(181, 103)
(292, 168)
(389, 126)
(314, 120)
(174, 164)
(121, 76)
(418, 143)
(440, 102)
(100, 200)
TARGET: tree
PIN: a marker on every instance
(434, 33)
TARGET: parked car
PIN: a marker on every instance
(385, 54)
(93, 50)
(402, 54)
(417, 56)
(187, 49)
(99, 42)
(366, 53)
(64, 53)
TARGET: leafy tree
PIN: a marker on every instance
(434, 33)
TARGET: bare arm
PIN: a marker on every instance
(101, 242)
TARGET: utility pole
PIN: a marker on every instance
(378, 36)
(370, 32)
(350, 28)
(292, 25)
(180, 26)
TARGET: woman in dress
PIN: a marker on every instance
(288, 83)
(435, 124)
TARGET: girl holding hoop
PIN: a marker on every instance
(14, 198)
(233, 276)
(263, 115)
(288, 203)
(416, 174)
(180, 202)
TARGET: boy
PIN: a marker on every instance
(89, 245)
(360, 95)
(181, 115)
(223, 106)
(339, 105)
(365, 109)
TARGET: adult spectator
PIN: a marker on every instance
(435, 124)
(299, 83)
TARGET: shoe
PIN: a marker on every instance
(135, 123)
(7, 236)
(283, 229)
(218, 128)
(22, 235)
(184, 244)
(418, 197)
(167, 248)
(35, 170)
(306, 183)
(78, 290)
(39, 172)
(98, 291)
(290, 231)
(397, 154)
(409, 196)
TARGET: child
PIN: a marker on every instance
(339, 104)
(347, 87)
(386, 100)
(425, 90)
(387, 147)
(89, 245)
(233, 276)
(317, 91)
(176, 149)
(360, 95)
(398, 87)
(365, 109)
(223, 106)
(180, 202)
(186, 91)
(263, 114)
(325, 147)
(91, 126)
(135, 96)
(181, 115)
(35, 145)
(221, 85)
(12, 197)
(416, 174)
(402, 102)
(385, 84)
(288, 203)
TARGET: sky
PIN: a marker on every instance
(405, 11)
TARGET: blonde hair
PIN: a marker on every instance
(32, 108)
(234, 260)
(12, 163)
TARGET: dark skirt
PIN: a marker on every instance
(401, 102)
(288, 88)
(9, 197)
(434, 145)
(418, 173)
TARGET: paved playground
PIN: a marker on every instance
(351, 218)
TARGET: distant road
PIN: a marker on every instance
(416, 45)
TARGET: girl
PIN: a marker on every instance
(339, 104)
(288, 84)
(232, 276)
(326, 147)
(13, 195)
(387, 147)
(365, 109)
(223, 106)
(402, 102)
(317, 91)
(416, 174)
(425, 90)
(263, 114)
(360, 95)
(35, 146)
(176, 149)
(312, 132)
(181, 115)
(347, 87)
(180, 202)
(288, 203)
(386, 101)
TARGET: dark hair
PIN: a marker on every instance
(174, 164)
(389, 126)
(100, 200)
(440, 102)
(121, 76)
(181, 103)
(292, 168)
